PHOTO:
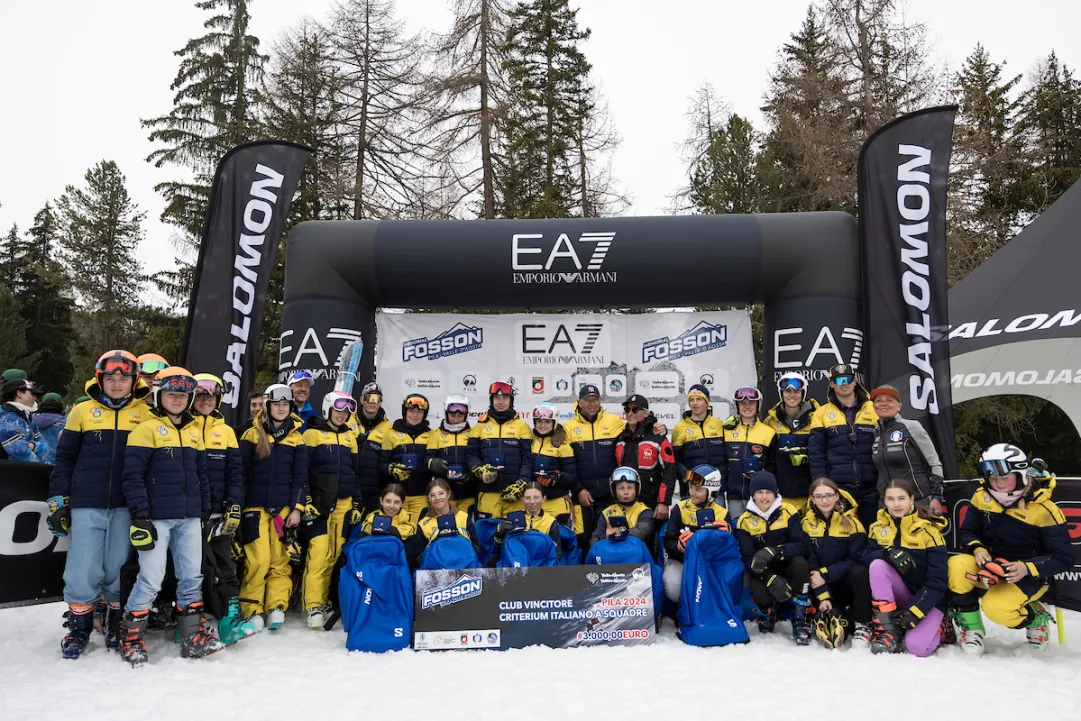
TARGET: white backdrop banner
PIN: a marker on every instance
(548, 357)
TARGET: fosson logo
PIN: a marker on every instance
(465, 587)
(459, 339)
(699, 339)
(563, 263)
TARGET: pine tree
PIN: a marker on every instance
(726, 179)
(11, 251)
(215, 108)
(14, 352)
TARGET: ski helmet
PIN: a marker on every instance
(625, 474)
(501, 388)
(151, 364)
(173, 379)
(1001, 459)
(546, 412)
(456, 403)
(371, 388)
(704, 475)
(793, 381)
(116, 361)
(209, 384)
(338, 401)
(415, 400)
(276, 392)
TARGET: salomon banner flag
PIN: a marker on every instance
(903, 169)
(252, 191)
(31, 558)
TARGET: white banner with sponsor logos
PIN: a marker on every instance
(549, 357)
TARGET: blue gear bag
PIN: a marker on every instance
(375, 593)
(628, 550)
(526, 549)
(712, 585)
(449, 552)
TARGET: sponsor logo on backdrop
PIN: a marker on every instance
(792, 352)
(701, 338)
(706, 379)
(459, 339)
(312, 354)
(563, 260)
(560, 343)
(1021, 324)
(563, 384)
(538, 384)
(464, 588)
(1049, 377)
(616, 385)
(659, 384)
(423, 383)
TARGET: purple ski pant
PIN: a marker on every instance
(887, 585)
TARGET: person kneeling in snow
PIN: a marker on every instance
(777, 569)
(689, 515)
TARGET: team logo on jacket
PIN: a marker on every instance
(461, 338)
(96, 412)
(464, 588)
(896, 436)
(754, 522)
(699, 339)
(756, 449)
(883, 532)
(831, 415)
(577, 431)
(163, 431)
(735, 433)
(489, 428)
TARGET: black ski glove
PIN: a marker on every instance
(438, 467)
(779, 588)
(906, 619)
(901, 560)
(764, 557)
(142, 532)
(502, 530)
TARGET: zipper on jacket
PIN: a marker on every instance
(184, 471)
(112, 460)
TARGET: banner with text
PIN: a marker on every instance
(31, 558)
(549, 357)
(558, 606)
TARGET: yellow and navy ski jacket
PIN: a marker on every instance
(921, 538)
(747, 449)
(222, 461)
(639, 521)
(507, 442)
(90, 454)
(407, 445)
(332, 462)
(399, 523)
(546, 524)
(281, 479)
(828, 546)
(777, 527)
(698, 442)
(1035, 533)
(842, 451)
(453, 447)
(165, 469)
(547, 457)
(428, 527)
(594, 446)
(369, 433)
(791, 440)
(684, 517)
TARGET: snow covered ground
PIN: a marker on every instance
(303, 674)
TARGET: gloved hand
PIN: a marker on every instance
(763, 557)
(292, 545)
(719, 525)
(730, 423)
(547, 478)
(400, 472)
(798, 459)
(486, 473)
(514, 491)
(237, 549)
(901, 560)
(906, 619)
(438, 467)
(213, 528)
(502, 530)
(684, 539)
(309, 511)
(779, 588)
(991, 573)
(59, 520)
(355, 515)
(231, 519)
(142, 532)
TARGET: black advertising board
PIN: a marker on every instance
(31, 558)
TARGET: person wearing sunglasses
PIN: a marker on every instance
(168, 493)
(1015, 540)
(403, 454)
(300, 382)
(694, 512)
(369, 425)
(698, 438)
(841, 443)
(150, 365)
(93, 509)
(650, 453)
(554, 469)
(791, 421)
(903, 450)
(20, 439)
(748, 447)
(450, 443)
(226, 496)
(500, 455)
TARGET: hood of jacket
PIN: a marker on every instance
(778, 414)
(47, 420)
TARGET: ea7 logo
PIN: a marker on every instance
(553, 337)
(789, 354)
(312, 354)
(459, 339)
(699, 339)
(563, 263)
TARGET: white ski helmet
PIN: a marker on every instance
(276, 392)
(1001, 459)
(338, 400)
(793, 381)
(455, 399)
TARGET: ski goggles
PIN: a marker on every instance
(625, 474)
(299, 377)
(210, 388)
(544, 413)
(843, 380)
(153, 366)
(177, 384)
(118, 364)
(373, 397)
(792, 384)
(694, 478)
(344, 404)
(500, 388)
(416, 402)
(994, 468)
(748, 394)
(457, 408)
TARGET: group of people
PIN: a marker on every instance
(836, 507)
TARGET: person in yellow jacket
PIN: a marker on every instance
(369, 424)
(683, 521)
(403, 454)
(450, 442)
(499, 455)
(534, 519)
(390, 506)
(791, 420)
(698, 438)
(554, 468)
(274, 461)
(329, 508)
(748, 447)
(625, 487)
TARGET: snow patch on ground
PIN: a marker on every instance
(306, 674)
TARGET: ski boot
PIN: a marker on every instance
(767, 619)
(801, 620)
(256, 621)
(1038, 630)
(79, 621)
(132, 648)
(947, 632)
(970, 630)
(197, 639)
(161, 617)
(231, 627)
(276, 619)
(317, 617)
(861, 636)
(830, 629)
(113, 616)
(886, 637)
(101, 611)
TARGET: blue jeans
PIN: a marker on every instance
(183, 537)
(98, 546)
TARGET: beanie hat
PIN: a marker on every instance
(13, 374)
(763, 481)
(698, 390)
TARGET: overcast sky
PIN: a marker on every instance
(76, 76)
